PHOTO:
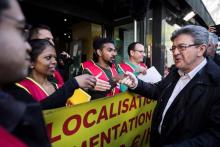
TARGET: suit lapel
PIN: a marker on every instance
(162, 101)
(180, 106)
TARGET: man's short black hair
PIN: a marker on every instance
(98, 43)
(4, 4)
(132, 47)
(35, 29)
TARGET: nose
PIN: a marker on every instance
(176, 51)
(54, 61)
(114, 53)
(28, 47)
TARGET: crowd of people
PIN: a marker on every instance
(187, 113)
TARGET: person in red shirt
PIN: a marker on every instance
(103, 67)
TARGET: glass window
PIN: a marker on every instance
(167, 30)
(124, 35)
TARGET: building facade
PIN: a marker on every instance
(76, 24)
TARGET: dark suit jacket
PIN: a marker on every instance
(193, 119)
(216, 59)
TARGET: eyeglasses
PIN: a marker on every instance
(181, 47)
(141, 52)
(24, 28)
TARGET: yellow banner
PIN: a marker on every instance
(120, 121)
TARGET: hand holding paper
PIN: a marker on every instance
(152, 75)
(141, 70)
(131, 80)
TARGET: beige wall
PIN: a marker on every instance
(86, 32)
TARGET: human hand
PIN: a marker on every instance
(212, 29)
(86, 81)
(65, 54)
(101, 85)
(142, 70)
(129, 80)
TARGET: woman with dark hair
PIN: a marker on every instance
(43, 64)
(37, 87)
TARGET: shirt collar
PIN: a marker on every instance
(192, 73)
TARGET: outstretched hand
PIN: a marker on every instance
(129, 80)
(101, 85)
(86, 81)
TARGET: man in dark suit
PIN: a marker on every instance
(188, 101)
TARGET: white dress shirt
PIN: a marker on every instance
(182, 82)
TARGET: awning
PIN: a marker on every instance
(200, 9)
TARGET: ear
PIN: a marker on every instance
(202, 50)
(99, 52)
(132, 52)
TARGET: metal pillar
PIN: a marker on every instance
(135, 30)
(157, 46)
